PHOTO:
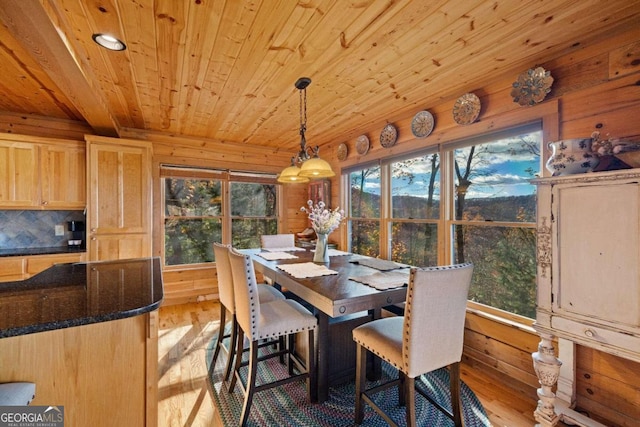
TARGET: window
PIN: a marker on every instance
(495, 213)
(415, 209)
(399, 210)
(197, 212)
(193, 219)
(364, 211)
(253, 213)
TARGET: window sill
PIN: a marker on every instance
(521, 323)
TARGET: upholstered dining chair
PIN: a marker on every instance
(270, 241)
(17, 393)
(259, 321)
(227, 304)
(428, 337)
(275, 241)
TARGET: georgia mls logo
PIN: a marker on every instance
(31, 416)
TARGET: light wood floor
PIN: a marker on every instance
(184, 399)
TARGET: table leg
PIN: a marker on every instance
(323, 356)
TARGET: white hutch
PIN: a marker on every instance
(588, 278)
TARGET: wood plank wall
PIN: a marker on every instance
(595, 86)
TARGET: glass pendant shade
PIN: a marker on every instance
(291, 175)
(316, 168)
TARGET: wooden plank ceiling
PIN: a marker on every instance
(224, 70)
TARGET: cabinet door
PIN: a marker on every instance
(598, 255)
(119, 212)
(119, 246)
(63, 176)
(18, 174)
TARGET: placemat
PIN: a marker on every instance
(383, 281)
(335, 252)
(306, 269)
(379, 264)
(272, 256)
(284, 249)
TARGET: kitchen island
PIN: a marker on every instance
(86, 335)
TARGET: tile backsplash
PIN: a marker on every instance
(35, 229)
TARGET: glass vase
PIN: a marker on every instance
(322, 251)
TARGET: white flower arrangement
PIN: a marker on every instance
(323, 221)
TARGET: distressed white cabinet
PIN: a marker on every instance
(588, 279)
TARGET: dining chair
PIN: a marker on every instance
(266, 293)
(257, 321)
(429, 336)
(270, 241)
(17, 393)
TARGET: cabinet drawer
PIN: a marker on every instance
(12, 268)
(40, 263)
(596, 335)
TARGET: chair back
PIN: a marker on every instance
(277, 241)
(434, 317)
(225, 277)
(245, 293)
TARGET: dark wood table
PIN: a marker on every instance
(339, 304)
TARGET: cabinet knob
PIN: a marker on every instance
(93, 230)
(93, 238)
(45, 203)
(590, 333)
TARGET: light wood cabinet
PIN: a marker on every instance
(104, 374)
(41, 173)
(119, 214)
(19, 173)
(588, 279)
(22, 267)
(63, 176)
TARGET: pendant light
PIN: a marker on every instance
(311, 165)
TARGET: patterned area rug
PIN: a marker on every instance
(287, 405)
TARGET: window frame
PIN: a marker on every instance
(546, 122)
(226, 177)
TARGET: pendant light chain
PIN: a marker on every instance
(303, 110)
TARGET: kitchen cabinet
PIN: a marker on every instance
(22, 267)
(41, 173)
(63, 176)
(19, 173)
(119, 212)
(588, 251)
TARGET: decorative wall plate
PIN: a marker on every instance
(532, 86)
(388, 136)
(362, 144)
(343, 151)
(466, 109)
(422, 124)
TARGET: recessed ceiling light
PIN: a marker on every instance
(108, 42)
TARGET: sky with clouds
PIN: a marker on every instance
(500, 169)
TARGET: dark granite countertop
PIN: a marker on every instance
(40, 251)
(76, 294)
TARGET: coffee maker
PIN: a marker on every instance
(77, 229)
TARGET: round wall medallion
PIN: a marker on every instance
(466, 109)
(532, 86)
(343, 151)
(362, 144)
(388, 136)
(422, 124)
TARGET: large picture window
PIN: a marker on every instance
(494, 222)
(205, 206)
(399, 210)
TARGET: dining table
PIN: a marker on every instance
(346, 292)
